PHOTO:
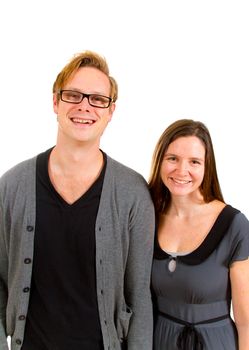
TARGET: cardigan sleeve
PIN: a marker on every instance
(138, 273)
(3, 274)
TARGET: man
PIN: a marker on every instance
(76, 232)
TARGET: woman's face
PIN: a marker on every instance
(183, 166)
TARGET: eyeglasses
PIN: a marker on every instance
(94, 100)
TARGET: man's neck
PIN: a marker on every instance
(70, 155)
(72, 171)
(70, 159)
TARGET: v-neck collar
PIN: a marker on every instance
(42, 169)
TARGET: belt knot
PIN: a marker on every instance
(189, 339)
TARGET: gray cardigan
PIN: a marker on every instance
(124, 246)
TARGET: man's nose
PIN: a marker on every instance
(84, 103)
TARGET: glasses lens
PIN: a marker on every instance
(99, 101)
(71, 96)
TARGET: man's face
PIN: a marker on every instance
(83, 123)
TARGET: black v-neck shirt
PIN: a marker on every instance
(63, 311)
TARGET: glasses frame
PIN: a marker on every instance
(83, 95)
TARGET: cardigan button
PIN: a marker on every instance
(18, 341)
(27, 261)
(30, 228)
(21, 318)
(26, 290)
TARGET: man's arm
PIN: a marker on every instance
(138, 274)
(3, 280)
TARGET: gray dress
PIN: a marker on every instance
(192, 303)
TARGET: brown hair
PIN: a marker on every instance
(85, 59)
(210, 187)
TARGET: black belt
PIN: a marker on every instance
(189, 338)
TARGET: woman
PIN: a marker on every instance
(201, 249)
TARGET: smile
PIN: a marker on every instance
(82, 121)
(180, 182)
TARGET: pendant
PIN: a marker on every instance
(172, 264)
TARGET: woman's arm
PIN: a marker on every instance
(239, 275)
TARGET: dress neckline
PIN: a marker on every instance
(210, 242)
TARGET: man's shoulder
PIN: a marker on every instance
(125, 179)
(19, 172)
(123, 171)
(130, 187)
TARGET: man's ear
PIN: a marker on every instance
(55, 103)
(112, 109)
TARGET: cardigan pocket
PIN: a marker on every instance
(123, 323)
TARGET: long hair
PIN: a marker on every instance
(210, 187)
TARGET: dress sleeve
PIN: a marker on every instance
(240, 241)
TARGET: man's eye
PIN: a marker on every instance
(73, 95)
(98, 99)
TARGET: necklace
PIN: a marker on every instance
(172, 264)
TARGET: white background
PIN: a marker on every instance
(172, 59)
